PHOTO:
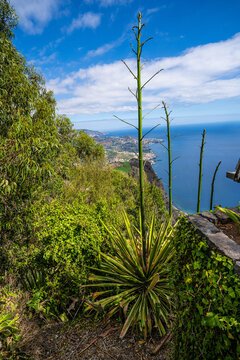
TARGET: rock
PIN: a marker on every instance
(237, 267)
(202, 225)
(225, 245)
(223, 218)
(210, 216)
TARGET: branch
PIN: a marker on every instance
(144, 63)
(165, 339)
(125, 122)
(129, 69)
(168, 115)
(164, 146)
(132, 93)
(146, 41)
(150, 131)
(175, 137)
(151, 111)
(133, 49)
(133, 29)
(175, 159)
(151, 78)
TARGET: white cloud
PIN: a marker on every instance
(199, 75)
(44, 59)
(105, 48)
(87, 20)
(35, 14)
(152, 11)
(101, 50)
(106, 3)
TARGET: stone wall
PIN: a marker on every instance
(205, 223)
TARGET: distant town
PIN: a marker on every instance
(123, 148)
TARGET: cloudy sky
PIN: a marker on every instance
(78, 46)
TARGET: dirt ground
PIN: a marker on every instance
(91, 341)
(231, 230)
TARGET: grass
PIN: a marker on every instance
(124, 168)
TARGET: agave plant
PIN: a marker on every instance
(141, 291)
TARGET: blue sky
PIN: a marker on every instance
(78, 46)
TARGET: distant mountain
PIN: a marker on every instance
(93, 133)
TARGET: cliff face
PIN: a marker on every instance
(153, 179)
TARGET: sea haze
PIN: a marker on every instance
(222, 144)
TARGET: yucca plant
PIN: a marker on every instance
(138, 96)
(32, 279)
(140, 290)
(231, 214)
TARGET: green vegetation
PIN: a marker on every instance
(86, 147)
(136, 272)
(61, 218)
(231, 214)
(9, 328)
(8, 21)
(138, 96)
(207, 300)
(124, 168)
(56, 191)
(141, 291)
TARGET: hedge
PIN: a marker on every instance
(207, 300)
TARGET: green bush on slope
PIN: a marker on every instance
(207, 300)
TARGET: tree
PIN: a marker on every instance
(29, 138)
(8, 19)
(65, 129)
(87, 147)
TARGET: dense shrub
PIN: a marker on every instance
(118, 191)
(87, 147)
(68, 238)
(207, 300)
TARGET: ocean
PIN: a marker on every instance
(222, 144)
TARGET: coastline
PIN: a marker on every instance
(222, 144)
(122, 149)
(154, 179)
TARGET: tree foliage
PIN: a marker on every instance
(87, 147)
(28, 135)
(8, 19)
(55, 188)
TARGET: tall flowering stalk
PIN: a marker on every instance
(200, 171)
(139, 268)
(213, 183)
(138, 95)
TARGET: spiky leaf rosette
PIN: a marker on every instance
(142, 291)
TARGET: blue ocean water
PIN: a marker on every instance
(222, 144)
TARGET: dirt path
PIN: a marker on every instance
(91, 341)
